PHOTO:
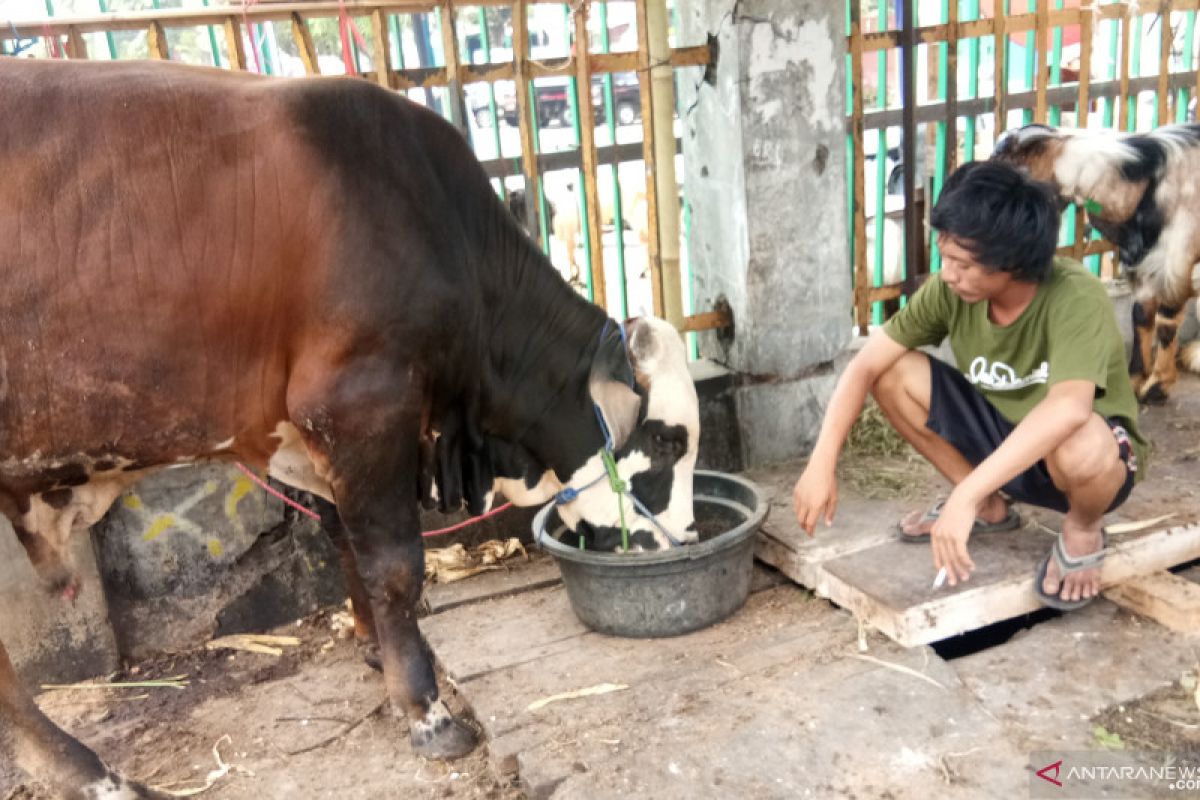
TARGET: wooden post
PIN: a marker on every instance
(233, 41)
(525, 116)
(666, 189)
(587, 143)
(76, 46)
(453, 82)
(302, 36)
(1042, 76)
(862, 279)
(156, 41)
(650, 131)
(380, 54)
(1082, 108)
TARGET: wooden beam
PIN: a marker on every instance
(77, 49)
(302, 36)
(649, 136)
(233, 43)
(1166, 598)
(858, 210)
(381, 46)
(526, 117)
(706, 321)
(587, 145)
(156, 42)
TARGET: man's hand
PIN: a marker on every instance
(949, 537)
(815, 496)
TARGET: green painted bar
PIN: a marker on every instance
(971, 12)
(581, 179)
(111, 40)
(1189, 37)
(881, 148)
(1054, 113)
(1114, 32)
(610, 124)
(1135, 60)
(1030, 64)
(941, 136)
(850, 149)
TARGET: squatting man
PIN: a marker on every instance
(1037, 409)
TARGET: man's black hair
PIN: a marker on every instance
(1004, 218)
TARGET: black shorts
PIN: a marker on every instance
(961, 415)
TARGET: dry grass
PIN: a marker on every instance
(878, 464)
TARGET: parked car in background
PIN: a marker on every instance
(552, 100)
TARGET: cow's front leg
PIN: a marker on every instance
(43, 750)
(1166, 333)
(1142, 356)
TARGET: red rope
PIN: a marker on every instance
(308, 512)
(250, 32)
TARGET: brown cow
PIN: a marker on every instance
(311, 276)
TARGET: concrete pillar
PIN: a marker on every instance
(764, 143)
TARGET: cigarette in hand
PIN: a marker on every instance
(940, 579)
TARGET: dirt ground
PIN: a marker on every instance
(311, 723)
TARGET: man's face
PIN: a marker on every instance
(965, 276)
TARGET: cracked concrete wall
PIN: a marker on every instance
(765, 158)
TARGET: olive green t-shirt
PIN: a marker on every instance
(1068, 332)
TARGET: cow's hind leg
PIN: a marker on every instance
(1162, 378)
(360, 604)
(43, 750)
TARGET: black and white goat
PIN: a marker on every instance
(1142, 193)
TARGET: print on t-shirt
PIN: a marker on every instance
(1000, 377)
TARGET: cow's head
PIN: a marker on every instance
(647, 399)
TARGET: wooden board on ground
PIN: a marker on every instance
(858, 564)
(1170, 600)
(508, 578)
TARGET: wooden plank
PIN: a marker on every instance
(302, 36)
(1123, 95)
(1000, 90)
(1082, 108)
(862, 278)
(889, 587)
(76, 47)
(539, 573)
(156, 42)
(449, 24)
(1040, 48)
(587, 144)
(951, 99)
(233, 43)
(526, 117)
(380, 50)
(1164, 60)
(649, 139)
(1168, 599)
(706, 321)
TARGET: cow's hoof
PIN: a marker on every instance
(1154, 395)
(370, 655)
(449, 739)
(118, 788)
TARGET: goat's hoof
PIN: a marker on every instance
(1154, 395)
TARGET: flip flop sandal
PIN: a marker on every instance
(1067, 565)
(1011, 521)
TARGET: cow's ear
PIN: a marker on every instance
(644, 349)
(612, 390)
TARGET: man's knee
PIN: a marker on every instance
(1086, 455)
(910, 375)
